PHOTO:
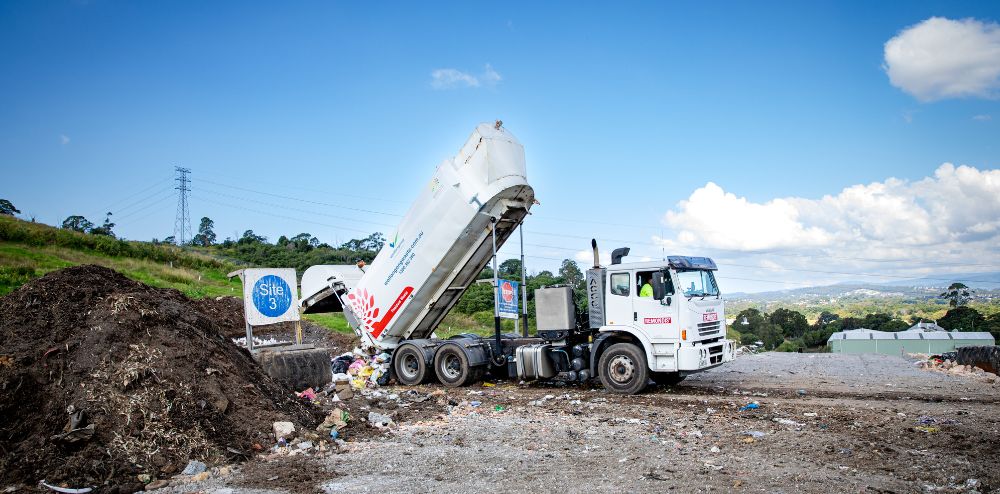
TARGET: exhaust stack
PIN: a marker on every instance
(597, 258)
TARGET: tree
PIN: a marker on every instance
(77, 223)
(372, 243)
(749, 322)
(510, 269)
(957, 294)
(771, 335)
(963, 318)
(895, 326)
(826, 317)
(993, 325)
(570, 272)
(250, 238)
(105, 229)
(876, 321)
(206, 234)
(7, 208)
(792, 323)
(170, 240)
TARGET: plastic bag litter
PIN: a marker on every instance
(749, 406)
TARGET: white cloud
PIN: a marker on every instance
(958, 204)
(982, 118)
(948, 222)
(63, 139)
(454, 78)
(944, 58)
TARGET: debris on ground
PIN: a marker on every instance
(109, 380)
(948, 363)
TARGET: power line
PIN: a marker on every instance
(307, 211)
(160, 199)
(182, 223)
(268, 213)
(325, 192)
(110, 207)
(361, 210)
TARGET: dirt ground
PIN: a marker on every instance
(823, 422)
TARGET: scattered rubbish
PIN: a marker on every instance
(308, 394)
(927, 429)
(283, 429)
(304, 445)
(801, 392)
(66, 490)
(715, 449)
(713, 467)
(475, 403)
(75, 435)
(336, 420)
(754, 434)
(809, 414)
(194, 467)
(488, 385)
(498, 408)
(750, 406)
(788, 422)
(380, 421)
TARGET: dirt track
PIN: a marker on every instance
(865, 436)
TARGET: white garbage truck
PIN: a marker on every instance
(469, 208)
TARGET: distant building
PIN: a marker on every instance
(923, 337)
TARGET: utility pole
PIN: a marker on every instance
(182, 223)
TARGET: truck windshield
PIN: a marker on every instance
(698, 283)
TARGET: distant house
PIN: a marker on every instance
(923, 337)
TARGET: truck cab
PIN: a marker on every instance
(661, 320)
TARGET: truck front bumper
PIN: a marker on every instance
(700, 357)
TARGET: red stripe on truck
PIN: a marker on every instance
(379, 326)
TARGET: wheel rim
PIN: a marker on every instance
(409, 366)
(621, 369)
(451, 367)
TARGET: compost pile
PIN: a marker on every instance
(104, 379)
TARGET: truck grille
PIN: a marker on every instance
(708, 328)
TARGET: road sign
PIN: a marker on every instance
(269, 296)
(508, 299)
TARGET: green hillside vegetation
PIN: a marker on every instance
(29, 250)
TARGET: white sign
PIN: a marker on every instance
(270, 296)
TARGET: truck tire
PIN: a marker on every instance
(623, 369)
(667, 378)
(451, 366)
(297, 369)
(409, 366)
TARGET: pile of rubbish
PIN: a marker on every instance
(108, 383)
(948, 363)
(361, 370)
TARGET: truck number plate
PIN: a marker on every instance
(710, 317)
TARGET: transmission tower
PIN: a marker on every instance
(182, 224)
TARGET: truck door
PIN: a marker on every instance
(656, 318)
(619, 300)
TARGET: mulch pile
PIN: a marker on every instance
(103, 379)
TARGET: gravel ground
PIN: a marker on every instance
(850, 423)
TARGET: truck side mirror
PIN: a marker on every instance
(658, 291)
(665, 301)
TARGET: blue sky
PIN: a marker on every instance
(624, 111)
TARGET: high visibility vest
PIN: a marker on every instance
(647, 290)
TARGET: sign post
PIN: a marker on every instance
(507, 299)
(269, 297)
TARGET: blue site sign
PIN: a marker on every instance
(507, 299)
(269, 296)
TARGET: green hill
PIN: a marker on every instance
(29, 250)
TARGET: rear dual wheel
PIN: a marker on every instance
(409, 366)
(452, 367)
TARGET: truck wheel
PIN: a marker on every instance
(667, 378)
(623, 369)
(409, 366)
(452, 367)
